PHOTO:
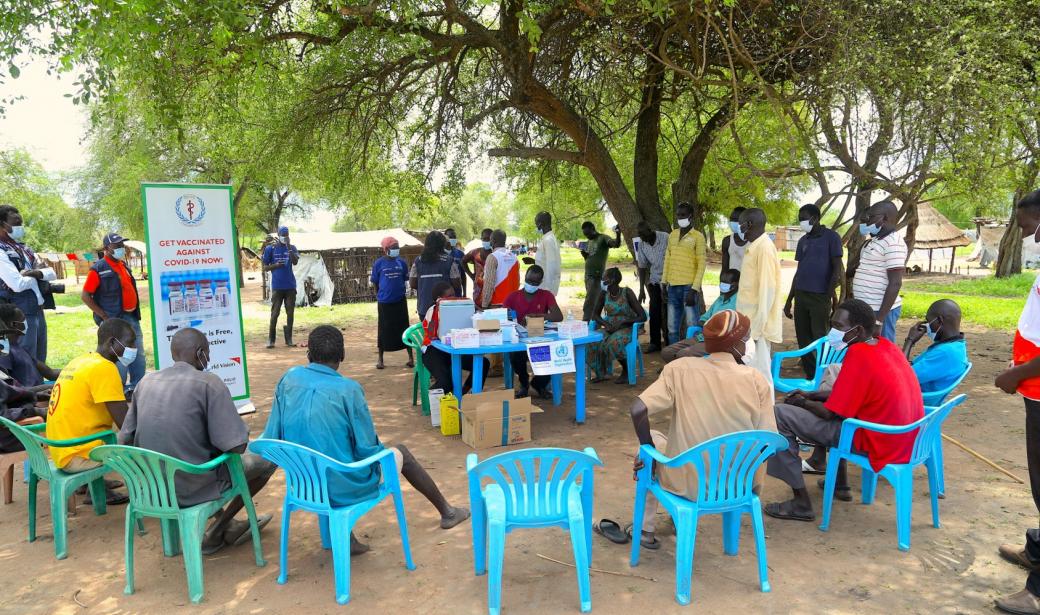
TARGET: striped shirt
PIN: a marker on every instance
(685, 259)
(652, 256)
(875, 260)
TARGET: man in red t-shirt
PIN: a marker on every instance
(876, 384)
(531, 300)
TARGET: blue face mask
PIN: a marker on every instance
(395, 252)
(5, 347)
(734, 227)
(931, 332)
(603, 285)
(128, 356)
(17, 232)
(530, 288)
(724, 287)
(740, 233)
(453, 242)
(119, 254)
(871, 229)
(486, 244)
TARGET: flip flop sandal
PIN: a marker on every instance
(808, 469)
(652, 545)
(842, 493)
(246, 535)
(610, 530)
(782, 510)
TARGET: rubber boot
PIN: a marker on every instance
(288, 336)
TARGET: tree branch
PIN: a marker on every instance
(540, 153)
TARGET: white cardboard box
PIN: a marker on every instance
(465, 338)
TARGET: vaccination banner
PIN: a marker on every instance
(193, 276)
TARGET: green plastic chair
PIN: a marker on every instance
(413, 338)
(62, 485)
(149, 478)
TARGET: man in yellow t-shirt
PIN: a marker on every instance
(88, 396)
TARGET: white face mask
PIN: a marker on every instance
(5, 347)
(683, 222)
(734, 226)
(806, 225)
(17, 232)
(749, 352)
(129, 355)
(836, 338)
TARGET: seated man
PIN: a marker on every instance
(531, 300)
(705, 398)
(943, 362)
(17, 402)
(436, 361)
(316, 407)
(186, 412)
(88, 398)
(19, 364)
(875, 384)
(729, 283)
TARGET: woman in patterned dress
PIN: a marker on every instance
(616, 311)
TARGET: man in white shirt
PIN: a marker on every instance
(650, 246)
(548, 255)
(20, 275)
(879, 275)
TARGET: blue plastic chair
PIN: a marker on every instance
(825, 356)
(306, 488)
(932, 400)
(900, 475)
(693, 330)
(725, 469)
(534, 487)
(633, 355)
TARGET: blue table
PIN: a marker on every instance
(504, 349)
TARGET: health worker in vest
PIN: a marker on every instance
(280, 258)
(501, 272)
(111, 292)
(20, 275)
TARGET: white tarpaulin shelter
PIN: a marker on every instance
(328, 240)
(987, 246)
(312, 278)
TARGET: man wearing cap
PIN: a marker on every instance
(111, 292)
(707, 397)
(279, 258)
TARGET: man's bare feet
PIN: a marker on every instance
(457, 516)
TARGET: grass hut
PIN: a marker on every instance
(935, 232)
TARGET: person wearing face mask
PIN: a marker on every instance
(456, 255)
(89, 396)
(760, 296)
(733, 246)
(20, 276)
(617, 309)
(15, 362)
(501, 273)
(729, 284)
(531, 300)
(684, 263)
(878, 276)
(477, 257)
(547, 255)
(389, 274)
(943, 362)
(432, 266)
(111, 292)
(279, 258)
(814, 290)
(705, 398)
(1022, 376)
(596, 251)
(875, 384)
(650, 247)
(187, 413)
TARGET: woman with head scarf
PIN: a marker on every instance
(388, 277)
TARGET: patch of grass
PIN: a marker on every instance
(1016, 286)
(993, 312)
(570, 258)
(72, 332)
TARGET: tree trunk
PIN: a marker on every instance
(1009, 258)
(645, 160)
(685, 188)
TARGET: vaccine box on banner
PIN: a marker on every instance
(570, 329)
(465, 338)
(496, 419)
(455, 314)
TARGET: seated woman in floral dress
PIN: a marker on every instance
(617, 309)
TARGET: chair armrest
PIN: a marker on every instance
(106, 437)
(367, 461)
(209, 466)
(693, 330)
(790, 354)
(472, 461)
(591, 452)
(37, 427)
(850, 426)
(649, 453)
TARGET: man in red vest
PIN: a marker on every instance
(501, 272)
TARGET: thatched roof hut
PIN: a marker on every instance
(935, 232)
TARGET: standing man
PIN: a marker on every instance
(732, 245)
(1024, 377)
(548, 255)
(879, 275)
(501, 272)
(650, 249)
(111, 292)
(279, 259)
(759, 296)
(596, 251)
(455, 254)
(813, 291)
(477, 257)
(684, 263)
(20, 276)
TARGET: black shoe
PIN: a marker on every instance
(651, 348)
(521, 393)
(270, 343)
(288, 336)
(542, 393)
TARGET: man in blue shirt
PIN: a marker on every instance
(316, 407)
(729, 283)
(812, 291)
(279, 258)
(943, 362)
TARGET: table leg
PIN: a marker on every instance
(579, 384)
(507, 370)
(456, 375)
(478, 373)
(557, 387)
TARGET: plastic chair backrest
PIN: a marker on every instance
(413, 336)
(149, 476)
(306, 470)
(693, 330)
(33, 444)
(827, 355)
(535, 481)
(726, 465)
(935, 398)
(929, 429)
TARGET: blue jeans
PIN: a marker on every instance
(888, 328)
(677, 308)
(35, 339)
(136, 369)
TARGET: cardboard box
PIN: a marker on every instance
(535, 326)
(500, 315)
(570, 329)
(491, 338)
(465, 338)
(495, 419)
(482, 324)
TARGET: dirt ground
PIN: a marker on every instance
(854, 568)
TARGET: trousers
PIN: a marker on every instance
(677, 309)
(657, 315)
(278, 297)
(812, 314)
